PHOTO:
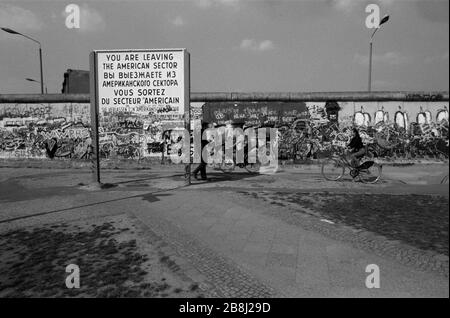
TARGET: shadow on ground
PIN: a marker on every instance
(110, 255)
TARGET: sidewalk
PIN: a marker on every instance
(230, 238)
(297, 262)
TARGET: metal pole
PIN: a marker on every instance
(370, 67)
(42, 75)
(187, 113)
(94, 119)
(40, 52)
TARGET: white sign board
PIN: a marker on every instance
(136, 95)
(142, 82)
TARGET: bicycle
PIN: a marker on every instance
(333, 169)
(228, 165)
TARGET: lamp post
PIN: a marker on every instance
(33, 80)
(384, 20)
(40, 52)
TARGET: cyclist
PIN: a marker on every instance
(357, 149)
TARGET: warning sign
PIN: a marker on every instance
(137, 98)
(142, 81)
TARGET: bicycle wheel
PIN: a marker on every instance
(332, 169)
(371, 174)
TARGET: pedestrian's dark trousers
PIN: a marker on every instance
(202, 169)
(202, 166)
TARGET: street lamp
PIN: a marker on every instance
(384, 20)
(40, 52)
(33, 80)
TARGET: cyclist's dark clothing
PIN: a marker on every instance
(357, 148)
(356, 144)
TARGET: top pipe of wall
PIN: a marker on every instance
(254, 97)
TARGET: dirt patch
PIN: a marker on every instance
(114, 258)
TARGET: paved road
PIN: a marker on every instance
(245, 244)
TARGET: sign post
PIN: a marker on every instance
(94, 119)
(134, 95)
(187, 113)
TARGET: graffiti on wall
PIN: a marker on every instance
(63, 131)
(128, 135)
(253, 114)
(318, 128)
(306, 130)
(139, 135)
(45, 131)
(400, 138)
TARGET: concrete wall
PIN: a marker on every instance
(279, 114)
(62, 130)
(45, 130)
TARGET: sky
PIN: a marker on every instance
(237, 45)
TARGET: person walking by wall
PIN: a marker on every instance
(202, 166)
